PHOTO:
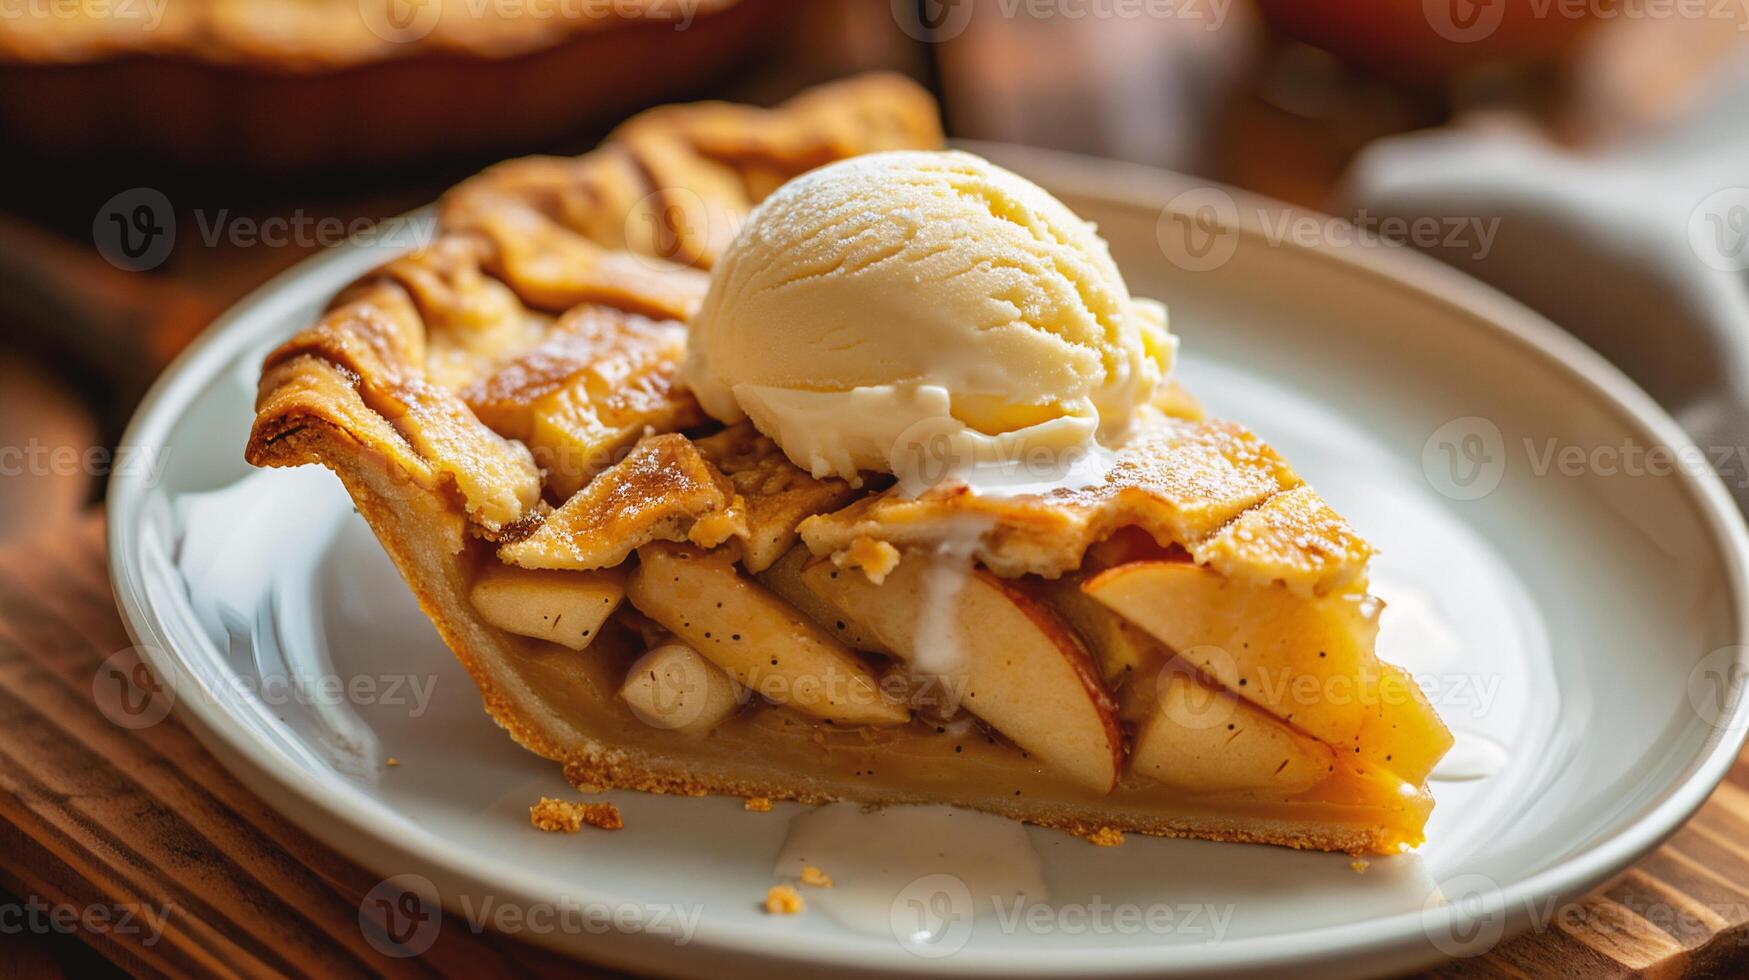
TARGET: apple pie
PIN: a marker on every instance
(660, 601)
(348, 86)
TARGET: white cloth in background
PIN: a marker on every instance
(1641, 252)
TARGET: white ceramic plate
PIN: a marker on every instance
(1578, 624)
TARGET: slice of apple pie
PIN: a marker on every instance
(643, 470)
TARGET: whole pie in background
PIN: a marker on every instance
(285, 85)
(662, 602)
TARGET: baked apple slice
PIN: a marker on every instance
(1023, 671)
(1402, 731)
(1306, 659)
(562, 607)
(1198, 737)
(1122, 650)
(784, 577)
(757, 638)
(672, 687)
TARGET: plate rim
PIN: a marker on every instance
(1397, 941)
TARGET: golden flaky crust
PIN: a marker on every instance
(308, 35)
(1210, 487)
(546, 316)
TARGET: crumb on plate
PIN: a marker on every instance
(563, 816)
(758, 804)
(391, 761)
(783, 900)
(1359, 865)
(815, 877)
(1105, 837)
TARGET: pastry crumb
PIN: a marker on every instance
(1359, 865)
(783, 900)
(758, 804)
(391, 761)
(589, 789)
(1105, 837)
(713, 529)
(563, 816)
(875, 558)
(815, 877)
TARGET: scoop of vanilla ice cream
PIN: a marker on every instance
(900, 300)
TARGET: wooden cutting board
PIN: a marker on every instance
(144, 822)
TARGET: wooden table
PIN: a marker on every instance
(113, 821)
(141, 828)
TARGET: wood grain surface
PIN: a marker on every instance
(145, 824)
(178, 869)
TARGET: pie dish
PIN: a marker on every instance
(290, 85)
(663, 603)
(312, 35)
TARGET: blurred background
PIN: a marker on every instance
(164, 157)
